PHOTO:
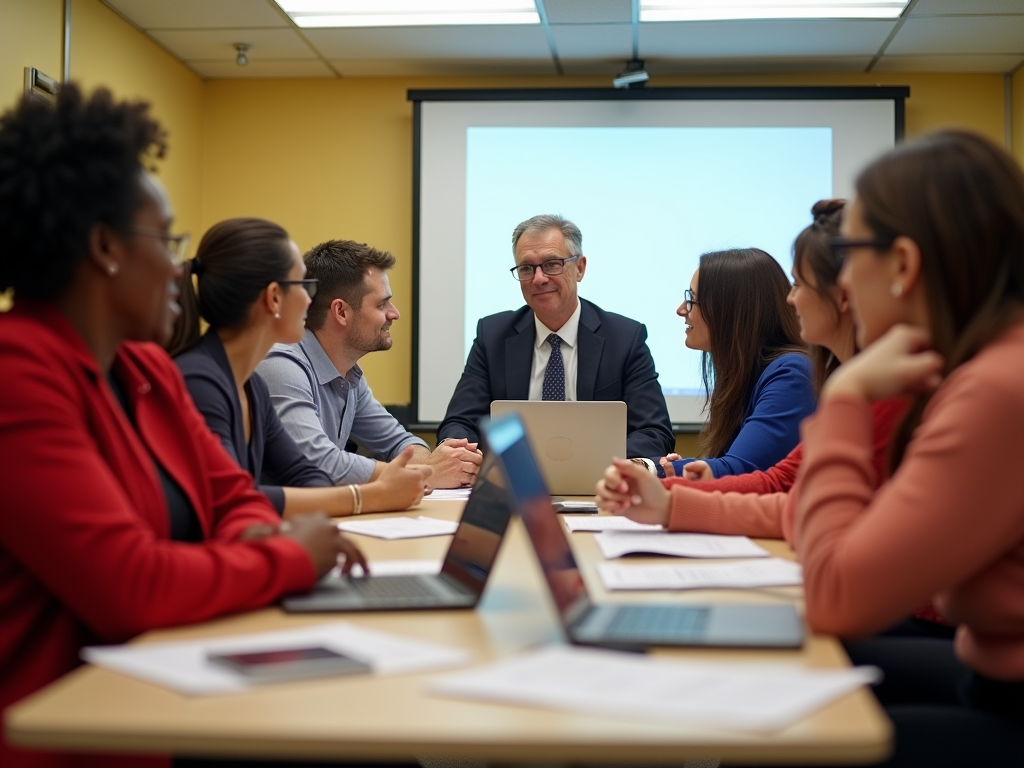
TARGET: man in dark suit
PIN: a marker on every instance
(559, 347)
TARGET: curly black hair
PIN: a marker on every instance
(64, 168)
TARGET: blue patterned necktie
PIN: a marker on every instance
(554, 376)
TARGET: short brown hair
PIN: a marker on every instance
(340, 266)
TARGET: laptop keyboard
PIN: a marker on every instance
(393, 588)
(654, 622)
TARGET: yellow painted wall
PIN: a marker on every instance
(332, 158)
(31, 35)
(106, 50)
(1018, 116)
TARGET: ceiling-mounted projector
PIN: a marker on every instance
(633, 76)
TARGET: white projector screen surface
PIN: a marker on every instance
(652, 186)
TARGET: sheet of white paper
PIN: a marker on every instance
(400, 527)
(623, 542)
(395, 568)
(182, 666)
(620, 685)
(770, 572)
(447, 494)
(605, 523)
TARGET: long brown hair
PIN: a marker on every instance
(742, 296)
(235, 261)
(960, 198)
(812, 255)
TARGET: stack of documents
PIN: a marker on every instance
(605, 523)
(771, 572)
(400, 527)
(616, 543)
(183, 666)
(620, 685)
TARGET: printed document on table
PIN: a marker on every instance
(400, 527)
(618, 543)
(183, 666)
(606, 523)
(770, 572)
(447, 494)
(621, 685)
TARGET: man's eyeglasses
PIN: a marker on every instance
(841, 245)
(524, 272)
(689, 301)
(177, 245)
(310, 284)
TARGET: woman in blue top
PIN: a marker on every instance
(253, 293)
(756, 372)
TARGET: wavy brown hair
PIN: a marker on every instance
(743, 301)
(960, 198)
(812, 255)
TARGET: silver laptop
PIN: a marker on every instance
(463, 576)
(573, 441)
(624, 625)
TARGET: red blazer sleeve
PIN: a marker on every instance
(78, 517)
(776, 479)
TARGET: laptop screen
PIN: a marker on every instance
(507, 439)
(475, 546)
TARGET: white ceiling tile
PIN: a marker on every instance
(962, 63)
(579, 67)
(966, 7)
(959, 34)
(451, 43)
(443, 67)
(198, 14)
(588, 11)
(744, 39)
(593, 41)
(213, 44)
(212, 70)
(746, 65)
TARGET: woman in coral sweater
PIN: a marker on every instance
(758, 503)
(121, 512)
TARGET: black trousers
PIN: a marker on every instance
(945, 714)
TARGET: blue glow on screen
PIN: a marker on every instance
(649, 201)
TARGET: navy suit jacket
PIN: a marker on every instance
(613, 363)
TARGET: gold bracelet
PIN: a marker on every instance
(357, 499)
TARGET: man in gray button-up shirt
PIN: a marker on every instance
(320, 392)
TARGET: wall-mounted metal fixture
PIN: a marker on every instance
(243, 54)
(40, 86)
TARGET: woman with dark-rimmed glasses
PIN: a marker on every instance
(251, 287)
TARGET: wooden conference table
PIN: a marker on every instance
(391, 718)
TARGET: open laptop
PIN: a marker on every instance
(463, 576)
(573, 441)
(622, 625)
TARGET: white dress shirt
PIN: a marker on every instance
(569, 334)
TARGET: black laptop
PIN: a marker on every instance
(463, 575)
(622, 625)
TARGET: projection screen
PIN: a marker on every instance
(653, 179)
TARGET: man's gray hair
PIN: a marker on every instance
(544, 222)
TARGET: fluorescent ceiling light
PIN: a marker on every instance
(709, 10)
(408, 13)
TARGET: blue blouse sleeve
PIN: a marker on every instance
(782, 398)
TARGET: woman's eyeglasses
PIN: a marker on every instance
(310, 284)
(177, 245)
(841, 245)
(689, 301)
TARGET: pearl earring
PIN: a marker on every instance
(896, 290)
(112, 269)
(277, 315)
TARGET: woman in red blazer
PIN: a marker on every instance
(121, 511)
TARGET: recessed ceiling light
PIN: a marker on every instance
(708, 10)
(408, 13)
